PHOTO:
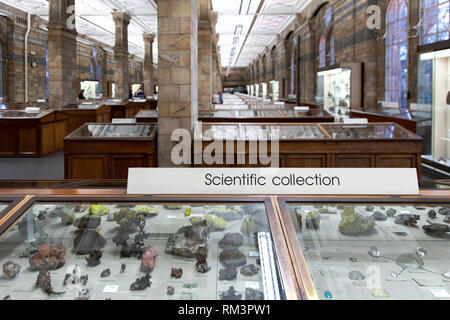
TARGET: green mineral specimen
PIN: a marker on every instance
(213, 223)
(355, 223)
(348, 211)
(147, 211)
(124, 215)
(98, 210)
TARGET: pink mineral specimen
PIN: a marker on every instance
(148, 259)
(48, 257)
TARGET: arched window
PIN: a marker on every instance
(435, 21)
(332, 59)
(397, 52)
(322, 52)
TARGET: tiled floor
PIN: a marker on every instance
(50, 167)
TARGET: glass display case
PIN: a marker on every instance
(124, 248)
(23, 114)
(434, 99)
(369, 131)
(115, 130)
(377, 248)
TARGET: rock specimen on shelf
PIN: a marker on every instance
(232, 258)
(187, 241)
(202, 265)
(66, 279)
(445, 211)
(226, 214)
(129, 220)
(87, 241)
(105, 273)
(409, 220)
(44, 282)
(379, 216)
(141, 283)
(50, 257)
(93, 259)
(84, 279)
(356, 276)
(170, 290)
(87, 222)
(380, 293)
(353, 223)
(436, 229)
(83, 294)
(231, 240)
(212, 222)
(147, 211)
(432, 214)
(254, 223)
(230, 294)
(353, 259)
(370, 208)
(35, 245)
(253, 294)
(312, 220)
(98, 210)
(67, 216)
(7, 297)
(123, 267)
(173, 206)
(11, 269)
(176, 273)
(228, 273)
(148, 259)
(249, 270)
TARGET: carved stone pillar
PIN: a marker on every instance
(121, 72)
(148, 64)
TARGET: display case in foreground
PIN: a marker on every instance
(123, 247)
(370, 248)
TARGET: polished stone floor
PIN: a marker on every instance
(50, 167)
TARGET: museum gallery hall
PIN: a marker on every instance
(92, 90)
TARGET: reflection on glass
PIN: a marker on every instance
(375, 251)
(114, 130)
(220, 132)
(141, 251)
(372, 131)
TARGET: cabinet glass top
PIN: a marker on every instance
(142, 251)
(375, 251)
(369, 131)
(22, 114)
(114, 130)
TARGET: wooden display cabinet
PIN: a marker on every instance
(107, 151)
(326, 145)
(86, 113)
(134, 106)
(26, 134)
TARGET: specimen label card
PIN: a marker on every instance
(303, 181)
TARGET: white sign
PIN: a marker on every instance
(356, 121)
(306, 181)
(32, 109)
(301, 108)
(121, 121)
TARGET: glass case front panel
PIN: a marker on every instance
(268, 113)
(120, 251)
(115, 130)
(371, 131)
(21, 114)
(220, 131)
(375, 251)
(147, 114)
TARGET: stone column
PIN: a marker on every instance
(148, 63)
(62, 50)
(121, 72)
(177, 72)
(204, 56)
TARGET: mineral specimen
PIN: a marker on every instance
(328, 295)
(173, 206)
(356, 276)
(81, 208)
(170, 290)
(230, 295)
(374, 252)
(176, 273)
(66, 278)
(228, 273)
(141, 283)
(212, 222)
(11, 269)
(231, 240)
(98, 210)
(422, 252)
(88, 241)
(232, 258)
(45, 283)
(50, 257)
(353, 259)
(87, 222)
(83, 294)
(105, 273)
(84, 279)
(35, 245)
(444, 211)
(190, 285)
(252, 294)
(379, 216)
(353, 223)
(7, 297)
(380, 293)
(436, 229)
(147, 211)
(313, 220)
(67, 216)
(370, 208)
(148, 259)
(249, 270)
(253, 223)
(409, 220)
(227, 214)
(432, 214)
(187, 241)
(446, 274)
(94, 258)
(123, 267)
(202, 264)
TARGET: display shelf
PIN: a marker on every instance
(332, 257)
(84, 113)
(274, 278)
